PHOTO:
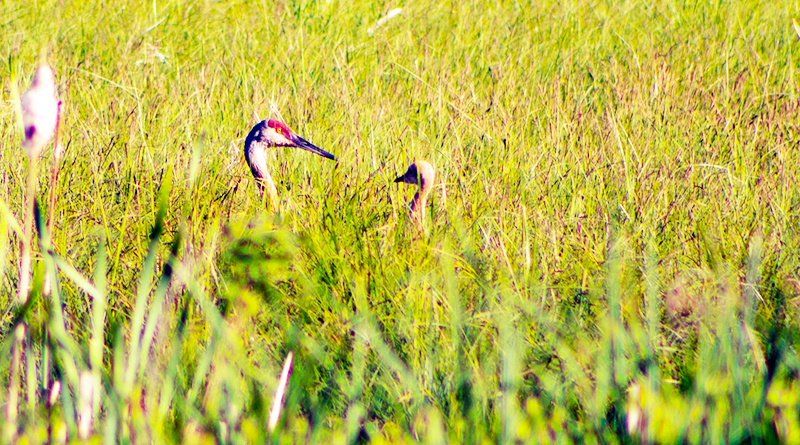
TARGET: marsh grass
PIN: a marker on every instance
(611, 251)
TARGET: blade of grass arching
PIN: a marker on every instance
(111, 421)
(213, 316)
(464, 380)
(526, 243)
(77, 279)
(652, 311)
(354, 385)
(366, 328)
(168, 384)
(14, 381)
(748, 335)
(9, 219)
(215, 321)
(46, 362)
(23, 286)
(606, 364)
(456, 310)
(510, 371)
(98, 322)
(751, 284)
(145, 280)
(197, 155)
(20, 314)
(118, 366)
(613, 290)
(56, 311)
(193, 206)
(796, 28)
(200, 371)
(31, 378)
(6, 221)
(66, 354)
(12, 403)
(157, 304)
(573, 371)
(651, 299)
(19, 327)
(3, 245)
(129, 202)
(155, 312)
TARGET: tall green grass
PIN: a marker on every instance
(611, 253)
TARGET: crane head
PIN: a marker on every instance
(275, 133)
(419, 173)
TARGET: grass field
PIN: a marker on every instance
(612, 251)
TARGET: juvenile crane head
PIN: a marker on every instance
(419, 173)
(273, 133)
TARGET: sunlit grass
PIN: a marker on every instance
(612, 235)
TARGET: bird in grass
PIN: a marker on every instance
(272, 133)
(419, 173)
(39, 110)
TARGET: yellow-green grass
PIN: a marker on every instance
(614, 225)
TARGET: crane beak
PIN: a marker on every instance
(308, 146)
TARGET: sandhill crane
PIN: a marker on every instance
(272, 133)
(419, 173)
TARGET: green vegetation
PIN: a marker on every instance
(612, 251)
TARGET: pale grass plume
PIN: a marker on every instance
(382, 21)
(88, 391)
(58, 153)
(39, 116)
(273, 108)
(39, 110)
(55, 392)
(152, 54)
(635, 419)
(275, 412)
